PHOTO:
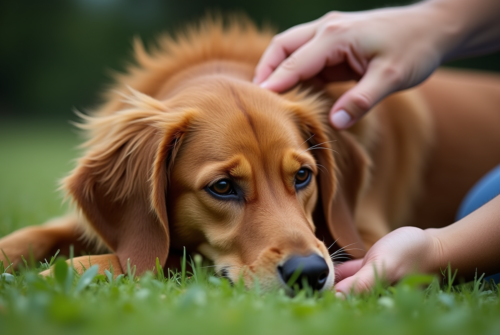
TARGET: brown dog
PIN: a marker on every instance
(191, 154)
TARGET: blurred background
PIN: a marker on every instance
(55, 55)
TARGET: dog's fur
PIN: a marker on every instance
(188, 115)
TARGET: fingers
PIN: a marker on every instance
(303, 64)
(363, 281)
(379, 81)
(347, 269)
(281, 47)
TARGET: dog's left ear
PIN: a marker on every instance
(120, 183)
(343, 170)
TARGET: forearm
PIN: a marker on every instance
(464, 27)
(470, 243)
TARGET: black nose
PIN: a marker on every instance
(311, 269)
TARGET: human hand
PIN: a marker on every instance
(386, 50)
(401, 252)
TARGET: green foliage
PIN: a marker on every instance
(196, 301)
(71, 304)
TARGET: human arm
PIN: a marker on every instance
(385, 49)
(469, 245)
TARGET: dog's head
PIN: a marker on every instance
(226, 168)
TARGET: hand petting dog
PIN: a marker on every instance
(389, 50)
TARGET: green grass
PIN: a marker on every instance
(33, 158)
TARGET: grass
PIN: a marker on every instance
(32, 158)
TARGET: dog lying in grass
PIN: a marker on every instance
(187, 152)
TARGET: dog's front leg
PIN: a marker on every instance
(108, 262)
(40, 242)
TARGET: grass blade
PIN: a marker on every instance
(131, 274)
(183, 268)
(86, 278)
(160, 275)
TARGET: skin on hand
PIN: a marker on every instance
(401, 252)
(385, 49)
(469, 245)
(363, 46)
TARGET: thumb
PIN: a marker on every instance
(379, 81)
(347, 269)
(363, 281)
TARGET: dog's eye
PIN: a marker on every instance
(302, 178)
(222, 187)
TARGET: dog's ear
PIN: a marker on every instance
(340, 198)
(121, 181)
(343, 169)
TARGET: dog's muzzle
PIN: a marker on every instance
(312, 270)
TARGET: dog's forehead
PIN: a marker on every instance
(244, 118)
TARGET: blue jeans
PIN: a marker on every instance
(485, 190)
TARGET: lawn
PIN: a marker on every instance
(32, 159)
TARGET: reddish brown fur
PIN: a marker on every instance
(188, 115)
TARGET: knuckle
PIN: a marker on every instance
(290, 63)
(334, 27)
(363, 101)
(332, 15)
(393, 75)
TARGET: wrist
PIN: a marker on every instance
(445, 24)
(462, 27)
(435, 259)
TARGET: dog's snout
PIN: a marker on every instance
(311, 269)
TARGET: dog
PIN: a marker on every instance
(186, 152)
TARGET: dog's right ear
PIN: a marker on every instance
(343, 170)
(120, 183)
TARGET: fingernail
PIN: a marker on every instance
(341, 119)
(340, 295)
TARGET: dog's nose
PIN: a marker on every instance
(311, 269)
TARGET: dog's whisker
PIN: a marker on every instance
(342, 253)
(339, 255)
(308, 139)
(332, 244)
(344, 248)
(318, 148)
(321, 167)
(350, 249)
(316, 145)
